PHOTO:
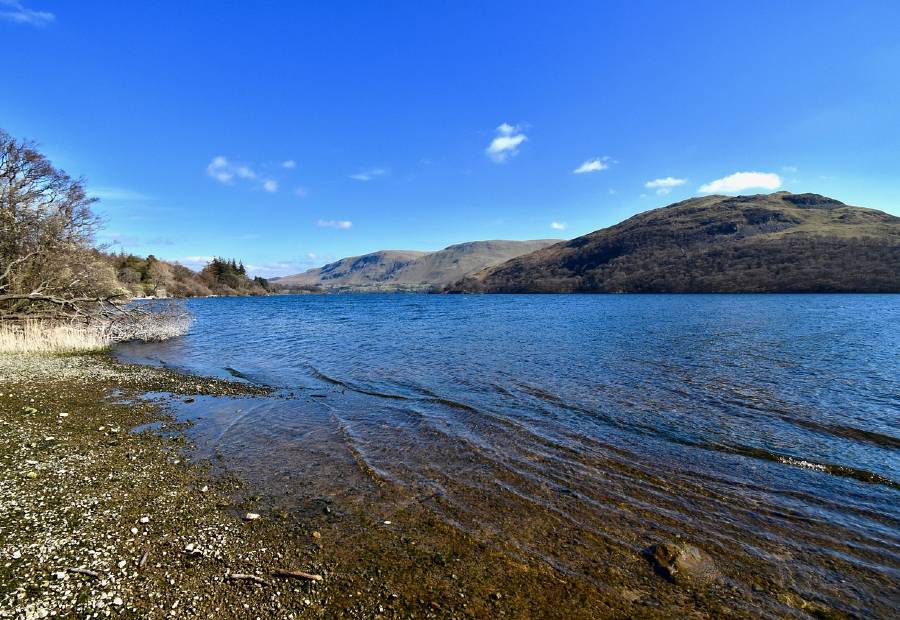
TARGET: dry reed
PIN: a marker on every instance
(151, 323)
(45, 337)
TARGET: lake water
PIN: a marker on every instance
(765, 429)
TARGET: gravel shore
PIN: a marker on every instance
(97, 520)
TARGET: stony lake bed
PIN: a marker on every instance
(97, 520)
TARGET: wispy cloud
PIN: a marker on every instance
(558, 225)
(227, 172)
(194, 262)
(290, 164)
(278, 268)
(220, 169)
(302, 192)
(592, 165)
(125, 240)
(117, 194)
(339, 224)
(789, 168)
(664, 185)
(740, 181)
(15, 11)
(368, 175)
(506, 143)
(120, 239)
(245, 172)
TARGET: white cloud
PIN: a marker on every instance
(302, 192)
(664, 182)
(664, 186)
(506, 143)
(740, 181)
(15, 11)
(289, 164)
(227, 172)
(789, 168)
(339, 224)
(592, 165)
(220, 169)
(368, 175)
(558, 225)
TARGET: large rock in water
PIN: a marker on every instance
(682, 562)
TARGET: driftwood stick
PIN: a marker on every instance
(84, 571)
(243, 577)
(296, 574)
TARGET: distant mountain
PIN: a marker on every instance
(779, 242)
(367, 270)
(392, 270)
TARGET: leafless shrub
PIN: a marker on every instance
(149, 322)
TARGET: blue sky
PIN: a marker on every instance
(291, 134)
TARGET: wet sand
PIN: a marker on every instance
(95, 519)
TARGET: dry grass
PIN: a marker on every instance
(145, 322)
(45, 337)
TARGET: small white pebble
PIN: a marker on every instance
(145, 519)
(134, 531)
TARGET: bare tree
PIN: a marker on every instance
(48, 267)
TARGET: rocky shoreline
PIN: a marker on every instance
(97, 521)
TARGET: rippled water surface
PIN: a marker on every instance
(766, 428)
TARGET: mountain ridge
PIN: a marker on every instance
(390, 270)
(780, 242)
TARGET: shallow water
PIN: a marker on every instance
(764, 428)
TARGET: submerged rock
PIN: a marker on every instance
(681, 561)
